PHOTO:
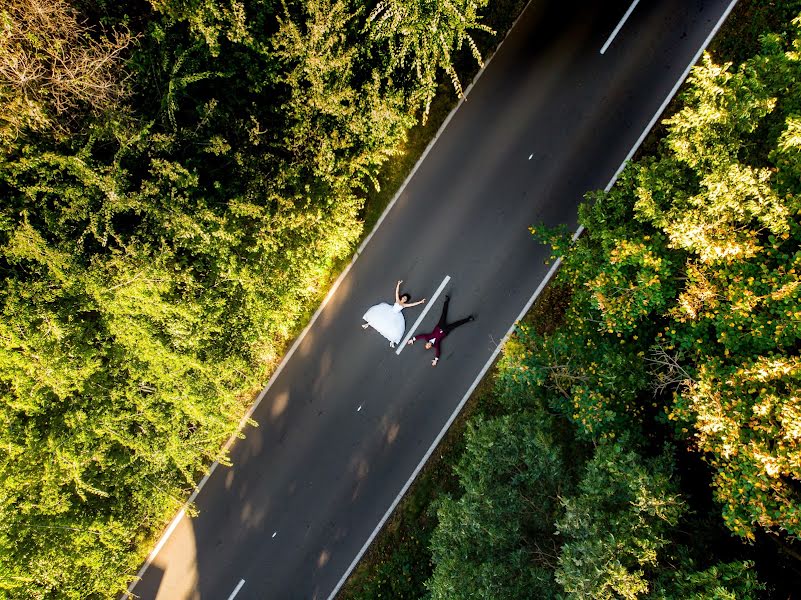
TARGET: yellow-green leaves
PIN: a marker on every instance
(747, 421)
(422, 36)
(692, 264)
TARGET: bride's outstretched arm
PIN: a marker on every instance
(414, 303)
(397, 289)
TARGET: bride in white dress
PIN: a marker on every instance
(388, 320)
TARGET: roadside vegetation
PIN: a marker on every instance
(640, 436)
(179, 180)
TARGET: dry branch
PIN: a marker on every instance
(57, 63)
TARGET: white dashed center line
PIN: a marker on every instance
(236, 589)
(429, 304)
(620, 25)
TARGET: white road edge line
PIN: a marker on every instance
(528, 305)
(236, 589)
(620, 25)
(429, 304)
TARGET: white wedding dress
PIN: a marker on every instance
(387, 320)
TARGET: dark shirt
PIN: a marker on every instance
(435, 337)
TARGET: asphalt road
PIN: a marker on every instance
(347, 421)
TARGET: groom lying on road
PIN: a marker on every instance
(435, 337)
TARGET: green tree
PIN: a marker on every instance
(157, 259)
(622, 277)
(615, 527)
(692, 262)
(736, 320)
(746, 418)
(496, 540)
(214, 21)
(720, 109)
(422, 36)
(722, 581)
(342, 124)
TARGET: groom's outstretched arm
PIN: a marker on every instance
(420, 336)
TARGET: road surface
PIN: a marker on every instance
(347, 421)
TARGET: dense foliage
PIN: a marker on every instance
(718, 212)
(681, 338)
(480, 546)
(178, 179)
(543, 514)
